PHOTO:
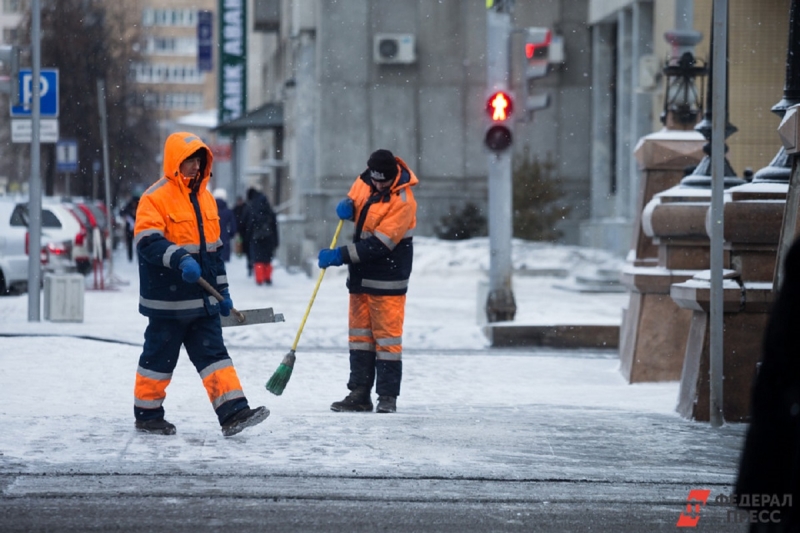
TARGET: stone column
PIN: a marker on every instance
(754, 217)
(649, 352)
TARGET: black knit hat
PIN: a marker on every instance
(382, 165)
(201, 153)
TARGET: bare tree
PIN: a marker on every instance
(90, 40)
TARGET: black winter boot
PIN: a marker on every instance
(158, 426)
(357, 401)
(386, 404)
(244, 419)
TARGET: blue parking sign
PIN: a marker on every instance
(67, 156)
(48, 93)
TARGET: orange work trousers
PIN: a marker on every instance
(375, 339)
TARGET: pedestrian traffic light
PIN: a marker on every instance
(537, 51)
(537, 65)
(9, 80)
(499, 108)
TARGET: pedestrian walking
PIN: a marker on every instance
(129, 214)
(382, 205)
(177, 237)
(227, 223)
(241, 241)
(769, 470)
(261, 229)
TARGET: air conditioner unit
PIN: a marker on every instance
(394, 48)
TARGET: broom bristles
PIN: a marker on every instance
(281, 377)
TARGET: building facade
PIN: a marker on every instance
(340, 100)
(627, 39)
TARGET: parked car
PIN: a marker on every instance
(58, 229)
(13, 251)
(60, 233)
(94, 212)
(97, 208)
(83, 245)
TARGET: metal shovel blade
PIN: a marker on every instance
(251, 317)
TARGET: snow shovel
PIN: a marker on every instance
(247, 317)
(280, 378)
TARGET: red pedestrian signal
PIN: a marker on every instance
(499, 108)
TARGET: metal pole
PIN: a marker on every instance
(101, 104)
(500, 304)
(35, 185)
(235, 166)
(718, 121)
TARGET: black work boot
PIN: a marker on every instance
(357, 401)
(158, 426)
(244, 419)
(386, 404)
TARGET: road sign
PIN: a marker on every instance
(205, 41)
(48, 93)
(22, 130)
(67, 156)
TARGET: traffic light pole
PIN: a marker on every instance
(500, 304)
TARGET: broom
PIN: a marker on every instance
(280, 378)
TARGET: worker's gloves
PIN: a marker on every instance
(344, 209)
(190, 270)
(226, 304)
(330, 257)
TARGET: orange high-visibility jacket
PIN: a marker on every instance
(381, 253)
(173, 220)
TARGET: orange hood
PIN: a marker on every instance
(177, 148)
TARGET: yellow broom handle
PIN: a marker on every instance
(316, 288)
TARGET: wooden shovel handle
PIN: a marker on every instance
(213, 292)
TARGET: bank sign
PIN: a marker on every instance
(232, 60)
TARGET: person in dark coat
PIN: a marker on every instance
(241, 238)
(129, 214)
(261, 229)
(227, 223)
(770, 460)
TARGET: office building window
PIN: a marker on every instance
(160, 73)
(185, 17)
(10, 35)
(174, 101)
(13, 6)
(180, 46)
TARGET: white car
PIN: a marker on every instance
(13, 253)
(59, 228)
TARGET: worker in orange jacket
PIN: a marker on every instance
(382, 205)
(177, 237)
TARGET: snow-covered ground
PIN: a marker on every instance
(441, 312)
(464, 409)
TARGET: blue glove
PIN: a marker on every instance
(345, 209)
(330, 257)
(190, 270)
(226, 304)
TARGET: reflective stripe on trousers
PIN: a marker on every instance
(376, 325)
(202, 338)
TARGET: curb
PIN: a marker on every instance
(562, 336)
